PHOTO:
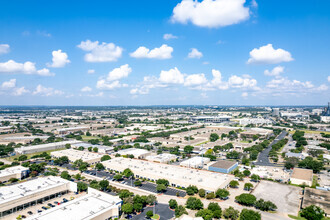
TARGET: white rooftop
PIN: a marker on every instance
(17, 191)
(86, 207)
(12, 170)
(73, 154)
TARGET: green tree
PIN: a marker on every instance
(118, 177)
(265, 205)
(124, 193)
(246, 172)
(151, 199)
(161, 188)
(22, 158)
(128, 173)
(163, 181)
(173, 203)
(95, 149)
(180, 210)
(233, 184)
(210, 195)
(246, 199)
(213, 206)
(105, 157)
(137, 206)
(312, 212)
(99, 166)
(231, 213)
(205, 214)
(222, 193)
(248, 214)
(137, 183)
(66, 175)
(191, 190)
(248, 186)
(104, 184)
(127, 208)
(194, 203)
(188, 149)
(149, 214)
(201, 193)
(214, 137)
(90, 149)
(255, 178)
(81, 186)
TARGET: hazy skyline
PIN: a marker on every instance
(165, 52)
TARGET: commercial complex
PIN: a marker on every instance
(101, 148)
(177, 176)
(162, 158)
(210, 119)
(17, 172)
(19, 196)
(95, 205)
(137, 153)
(223, 166)
(195, 162)
(301, 176)
(73, 155)
(44, 147)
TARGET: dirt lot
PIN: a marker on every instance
(286, 197)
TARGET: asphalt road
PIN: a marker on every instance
(263, 159)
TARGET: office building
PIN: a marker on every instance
(223, 166)
(301, 176)
(195, 162)
(73, 155)
(17, 172)
(136, 152)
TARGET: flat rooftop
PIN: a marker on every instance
(32, 147)
(17, 191)
(178, 175)
(224, 164)
(86, 207)
(317, 197)
(76, 154)
(302, 174)
(12, 170)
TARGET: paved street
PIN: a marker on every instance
(163, 210)
(263, 159)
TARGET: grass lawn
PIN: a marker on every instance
(316, 132)
(30, 155)
(202, 143)
(296, 217)
(245, 142)
(156, 216)
(87, 138)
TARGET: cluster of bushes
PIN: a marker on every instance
(298, 136)
(135, 203)
(6, 149)
(276, 147)
(310, 163)
(162, 185)
(256, 149)
(42, 155)
(250, 200)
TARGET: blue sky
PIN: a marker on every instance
(164, 52)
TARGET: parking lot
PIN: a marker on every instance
(162, 210)
(151, 187)
(34, 209)
(285, 197)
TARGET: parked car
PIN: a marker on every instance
(65, 200)
(30, 213)
(44, 208)
(39, 211)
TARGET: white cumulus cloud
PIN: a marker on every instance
(169, 36)
(328, 78)
(9, 84)
(195, 80)
(106, 85)
(173, 76)
(28, 67)
(60, 59)
(46, 91)
(268, 55)
(163, 52)
(20, 91)
(90, 71)
(104, 52)
(210, 13)
(276, 71)
(86, 89)
(4, 48)
(194, 53)
(120, 72)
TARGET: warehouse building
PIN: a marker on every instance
(44, 147)
(101, 148)
(94, 205)
(195, 162)
(301, 176)
(223, 166)
(210, 119)
(19, 196)
(137, 153)
(17, 172)
(177, 176)
(317, 197)
(162, 158)
(73, 155)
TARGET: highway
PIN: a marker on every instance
(263, 159)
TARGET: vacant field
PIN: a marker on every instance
(12, 158)
(285, 197)
(87, 138)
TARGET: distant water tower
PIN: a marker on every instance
(276, 112)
